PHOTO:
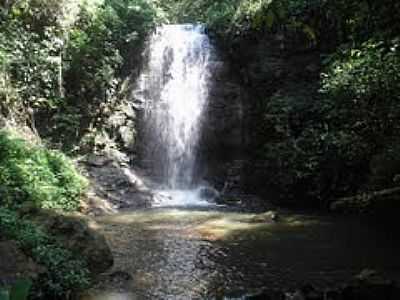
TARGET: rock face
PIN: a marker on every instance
(250, 75)
(222, 127)
(114, 185)
(14, 264)
(276, 75)
(121, 126)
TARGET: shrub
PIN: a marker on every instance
(32, 173)
(361, 88)
(64, 272)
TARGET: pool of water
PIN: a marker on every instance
(169, 253)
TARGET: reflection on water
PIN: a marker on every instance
(200, 254)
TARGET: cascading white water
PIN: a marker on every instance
(174, 86)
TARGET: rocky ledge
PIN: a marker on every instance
(114, 186)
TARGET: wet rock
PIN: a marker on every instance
(96, 206)
(208, 193)
(121, 126)
(127, 135)
(74, 233)
(121, 276)
(96, 161)
(267, 217)
(117, 157)
(14, 264)
(129, 111)
(267, 295)
(115, 185)
(228, 200)
(297, 295)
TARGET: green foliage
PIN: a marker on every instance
(240, 15)
(101, 50)
(361, 88)
(28, 54)
(328, 21)
(19, 291)
(347, 137)
(31, 173)
(63, 60)
(64, 271)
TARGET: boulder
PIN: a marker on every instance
(96, 161)
(127, 134)
(75, 234)
(15, 265)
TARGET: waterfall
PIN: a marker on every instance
(174, 87)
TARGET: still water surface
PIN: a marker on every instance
(169, 253)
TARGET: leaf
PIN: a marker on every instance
(20, 291)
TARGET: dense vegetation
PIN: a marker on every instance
(61, 61)
(344, 135)
(64, 272)
(39, 178)
(46, 179)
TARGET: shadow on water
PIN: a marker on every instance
(173, 253)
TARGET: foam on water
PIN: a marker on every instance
(193, 197)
